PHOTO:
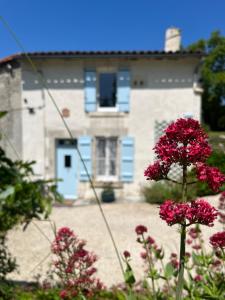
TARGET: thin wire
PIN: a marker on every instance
(41, 77)
(40, 262)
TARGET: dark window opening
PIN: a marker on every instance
(67, 142)
(67, 161)
(107, 89)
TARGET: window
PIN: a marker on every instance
(106, 158)
(107, 90)
(67, 161)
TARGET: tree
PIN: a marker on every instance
(21, 200)
(213, 79)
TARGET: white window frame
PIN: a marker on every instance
(100, 108)
(107, 177)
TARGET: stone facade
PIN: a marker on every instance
(10, 101)
(161, 90)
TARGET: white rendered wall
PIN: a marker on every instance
(161, 90)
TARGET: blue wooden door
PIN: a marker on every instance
(67, 169)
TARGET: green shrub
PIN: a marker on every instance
(7, 262)
(158, 192)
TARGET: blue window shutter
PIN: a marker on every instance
(84, 145)
(127, 159)
(123, 90)
(90, 91)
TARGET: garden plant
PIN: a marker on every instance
(186, 144)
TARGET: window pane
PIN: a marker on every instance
(112, 168)
(106, 156)
(107, 90)
(100, 156)
(101, 168)
(67, 161)
(101, 153)
(112, 143)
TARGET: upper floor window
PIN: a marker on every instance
(107, 90)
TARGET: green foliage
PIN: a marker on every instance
(129, 275)
(9, 291)
(7, 263)
(213, 79)
(158, 192)
(21, 198)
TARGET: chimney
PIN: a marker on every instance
(172, 39)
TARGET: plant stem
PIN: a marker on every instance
(150, 267)
(182, 240)
(182, 261)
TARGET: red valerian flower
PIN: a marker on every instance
(143, 255)
(184, 142)
(157, 171)
(197, 247)
(73, 264)
(63, 294)
(126, 254)
(217, 240)
(211, 175)
(172, 212)
(196, 212)
(198, 278)
(140, 229)
(150, 240)
(201, 212)
(194, 233)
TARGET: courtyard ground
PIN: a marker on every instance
(30, 247)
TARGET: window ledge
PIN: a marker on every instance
(113, 184)
(107, 114)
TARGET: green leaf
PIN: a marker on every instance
(3, 113)
(129, 275)
(7, 192)
(196, 259)
(169, 270)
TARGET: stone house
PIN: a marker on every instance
(116, 104)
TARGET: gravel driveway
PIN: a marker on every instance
(31, 247)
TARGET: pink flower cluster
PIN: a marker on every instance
(218, 240)
(184, 142)
(74, 264)
(140, 229)
(157, 171)
(211, 175)
(195, 212)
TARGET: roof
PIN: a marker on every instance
(103, 54)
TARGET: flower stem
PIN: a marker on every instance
(182, 240)
(182, 261)
(150, 267)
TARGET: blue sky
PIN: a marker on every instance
(106, 24)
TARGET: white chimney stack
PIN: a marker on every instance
(172, 39)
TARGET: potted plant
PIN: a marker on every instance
(107, 194)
